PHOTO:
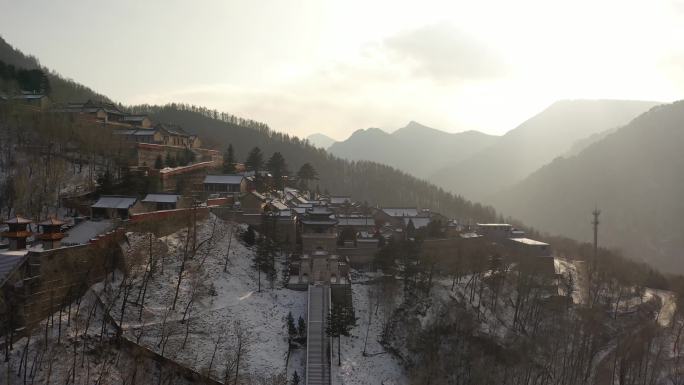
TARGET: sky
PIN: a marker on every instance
(337, 66)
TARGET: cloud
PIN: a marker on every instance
(378, 86)
(446, 53)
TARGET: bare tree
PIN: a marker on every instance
(243, 340)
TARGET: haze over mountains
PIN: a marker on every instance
(478, 165)
(415, 148)
(534, 143)
(633, 175)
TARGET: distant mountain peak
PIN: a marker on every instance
(368, 131)
(320, 140)
(414, 124)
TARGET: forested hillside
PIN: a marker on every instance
(364, 181)
(634, 175)
(535, 143)
(416, 149)
(61, 89)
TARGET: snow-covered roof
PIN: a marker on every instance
(253, 173)
(319, 210)
(162, 198)
(85, 231)
(28, 96)
(19, 220)
(223, 179)
(528, 241)
(115, 202)
(340, 200)
(145, 132)
(321, 222)
(279, 205)
(401, 212)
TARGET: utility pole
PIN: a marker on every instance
(595, 222)
(594, 262)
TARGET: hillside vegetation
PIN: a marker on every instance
(62, 90)
(634, 175)
(374, 183)
(533, 144)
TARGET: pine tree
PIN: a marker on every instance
(249, 236)
(229, 160)
(159, 163)
(188, 155)
(182, 159)
(291, 328)
(264, 261)
(278, 168)
(170, 160)
(306, 174)
(255, 160)
(105, 183)
(339, 324)
(295, 378)
(301, 327)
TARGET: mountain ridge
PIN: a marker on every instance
(534, 143)
(632, 174)
(415, 148)
(62, 89)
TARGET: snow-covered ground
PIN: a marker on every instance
(569, 270)
(73, 343)
(221, 300)
(668, 305)
(378, 366)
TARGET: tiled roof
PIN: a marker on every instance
(223, 179)
(356, 221)
(115, 202)
(162, 198)
(19, 220)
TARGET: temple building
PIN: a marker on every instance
(322, 267)
(51, 233)
(318, 230)
(17, 232)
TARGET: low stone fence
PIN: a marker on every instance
(55, 278)
(230, 214)
(165, 222)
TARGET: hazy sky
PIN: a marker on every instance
(337, 66)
